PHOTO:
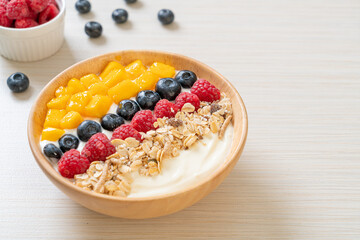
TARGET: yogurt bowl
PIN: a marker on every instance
(155, 204)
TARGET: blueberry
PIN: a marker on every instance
(83, 6)
(111, 121)
(18, 82)
(93, 29)
(88, 128)
(120, 15)
(147, 99)
(166, 16)
(67, 142)
(127, 109)
(130, 1)
(186, 78)
(52, 151)
(168, 88)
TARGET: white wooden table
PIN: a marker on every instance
(297, 66)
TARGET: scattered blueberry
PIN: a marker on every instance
(186, 78)
(120, 15)
(168, 88)
(67, 142)
(111, 121)
(130, 1)
(127, 109)
(88, 128)
(147, 99)
(93, 29)
(83, 6)
(52, 151)
(166, 16)
(18, 82)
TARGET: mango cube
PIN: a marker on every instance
(58, 102)
(89, 79)
(114, 77)
(111, 66)
(98, 89)
(51, 134)
(75, 86)
(147, 80)
(78, 102)
(61, 91)
(124, 90)
(98, 106)
(53, 118)
(162, 70)
(71, 120)
(135, 69)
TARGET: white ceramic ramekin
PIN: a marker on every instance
(36, 43)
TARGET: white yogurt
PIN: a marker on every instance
(190, 167)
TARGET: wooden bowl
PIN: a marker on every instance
(146, 207)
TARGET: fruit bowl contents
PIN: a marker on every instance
(27, 13)
(134, 131)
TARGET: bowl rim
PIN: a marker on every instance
(49, 169)
(61, 12)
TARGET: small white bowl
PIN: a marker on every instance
(36, 43)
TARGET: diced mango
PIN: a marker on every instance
(162, 70)
(98, 106)
(75, 86)
(51, 134)
(71, 120)
(59, 102)
(53, 118)
(98, 89)
(124, 90)
(114, 77)
(135, 69)
(78, 102)
(89, 79)
(147, 80)
(111, 66)
(61, 91)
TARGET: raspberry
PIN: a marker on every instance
(72, 163)
(164, 108)
(98, 148)
(17, 9)
(186, 97)
(205, 91)
(125, 131)
(143, 121)
(4, 20)
(25, 23)
(38, 5)
(3, 3)
(33, 15)
(49, 13)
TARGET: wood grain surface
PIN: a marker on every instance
(297, 66)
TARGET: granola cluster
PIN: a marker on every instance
(113, 177)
